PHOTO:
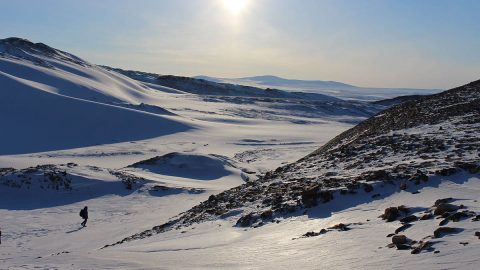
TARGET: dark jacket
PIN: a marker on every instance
(84, 213)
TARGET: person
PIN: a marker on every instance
(84, 215)
(0, 236)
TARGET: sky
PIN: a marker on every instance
(374, 43)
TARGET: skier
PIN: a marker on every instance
(84, 215)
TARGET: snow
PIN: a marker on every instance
(216, 245)
(57, 109)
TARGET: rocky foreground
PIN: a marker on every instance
(403, 146)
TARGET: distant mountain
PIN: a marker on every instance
(269, 80)
(210, 87)
(397, 149)
(331, 88)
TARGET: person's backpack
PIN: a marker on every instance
(82, 213)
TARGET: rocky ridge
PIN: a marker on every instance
(402, 146)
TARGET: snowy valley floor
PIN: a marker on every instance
(50, 238)
(38, 225)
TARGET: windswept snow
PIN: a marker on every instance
(140, 153)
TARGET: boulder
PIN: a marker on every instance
(442, 231)
(390, 214)
(310, 196)
(399, 239)
(441, 201)
(445, 208)
(409, 219)
(422, 246)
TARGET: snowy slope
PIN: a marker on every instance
(140, 154)
(407, 147)
(51, 100)
(331, 88)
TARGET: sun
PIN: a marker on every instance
(235, 6)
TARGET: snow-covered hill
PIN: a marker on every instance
(330, 88)
(406, 148)
(52, 100)
(200, 159)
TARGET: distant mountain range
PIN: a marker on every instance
(331, 88)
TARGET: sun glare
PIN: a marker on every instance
(235, 6)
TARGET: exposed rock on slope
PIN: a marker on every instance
(404, 146)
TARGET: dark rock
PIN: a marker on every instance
(443, 222)
(310, 196)
(477, 234)
(399, 239)
(422, 246)
(456, 217)
(442, 231)
(246, 220)
(266, 214)
(390, 214)
(403, 227)
(426, 217)
(312, 234)
(445, 208)
(403, 247)
(477, 218)
(441, 201)
(340, 227)
(409, 219)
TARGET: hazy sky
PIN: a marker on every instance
(397, 43)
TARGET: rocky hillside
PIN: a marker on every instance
(403, 146)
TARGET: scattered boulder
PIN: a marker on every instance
(393, 213)
(399, 239)
(310, 196)
(312, 234)
(403, 227)
(403, 247)
(443, 222)
(456, 217)
(267, 214)
(390, 214)
(477, 234)
(422, 246)
(442, 231)
(245, 220)
(426, 216)
(445, 208)
(340, 227)
(441, 201)
(409, 219)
